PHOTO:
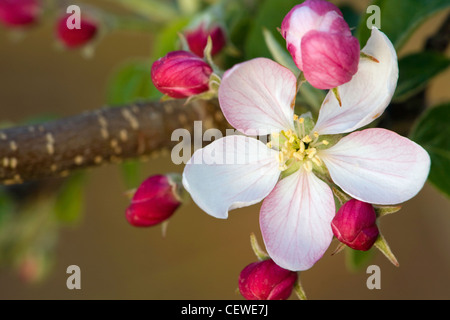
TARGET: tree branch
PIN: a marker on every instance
(107, 135)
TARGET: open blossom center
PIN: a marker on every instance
(297, 148)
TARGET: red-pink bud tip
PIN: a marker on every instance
(19, 13)
(155, 201)
(198, 38)
(355, 225)
(265, 280)
(181, 74)
(71, 36)
(321, 43)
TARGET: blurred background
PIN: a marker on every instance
(200, 257)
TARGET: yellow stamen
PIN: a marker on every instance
(307, 139)
(292, 139)
(280, 157)
(298, 155)
(308, 166)
(317, 161)
(302, 147)
(311, 152)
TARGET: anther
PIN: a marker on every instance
(302, 147)
(317, 161)
(308, 166)
(298, 155)
(311, 152)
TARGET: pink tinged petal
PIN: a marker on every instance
(330, 60)
(231, 172)
(378, 166)
(257, 96)
(296, 220)
(366, 96)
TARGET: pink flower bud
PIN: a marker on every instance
(355, 225)
(265, 280)
(155, 201)
(198, 38)
(73, 38)
(321, 43)
(16, 13)
(181, 74)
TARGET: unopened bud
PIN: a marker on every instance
(265, 280)
(181, 74)
(18, 13)
(76, 37)
(155, 201)
(321, 43)
(197, 39)
(355, 225)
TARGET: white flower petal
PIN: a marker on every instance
(257, 96)
(378, 166)
(296, 220)
(231, 172)
(366, 96)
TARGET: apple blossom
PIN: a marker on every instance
(355, 225)
(321, 43)
(373, 165)
(181, 74)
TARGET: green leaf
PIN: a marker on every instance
(279, 53)
(7, 206)
(130, 83)
(157, 11)
(132, 173)
(432, 132)
(400, 18)
(168, 38)
(351, 16)
(356, 260)
(416, 70)
(269, 16)
(70, 199)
